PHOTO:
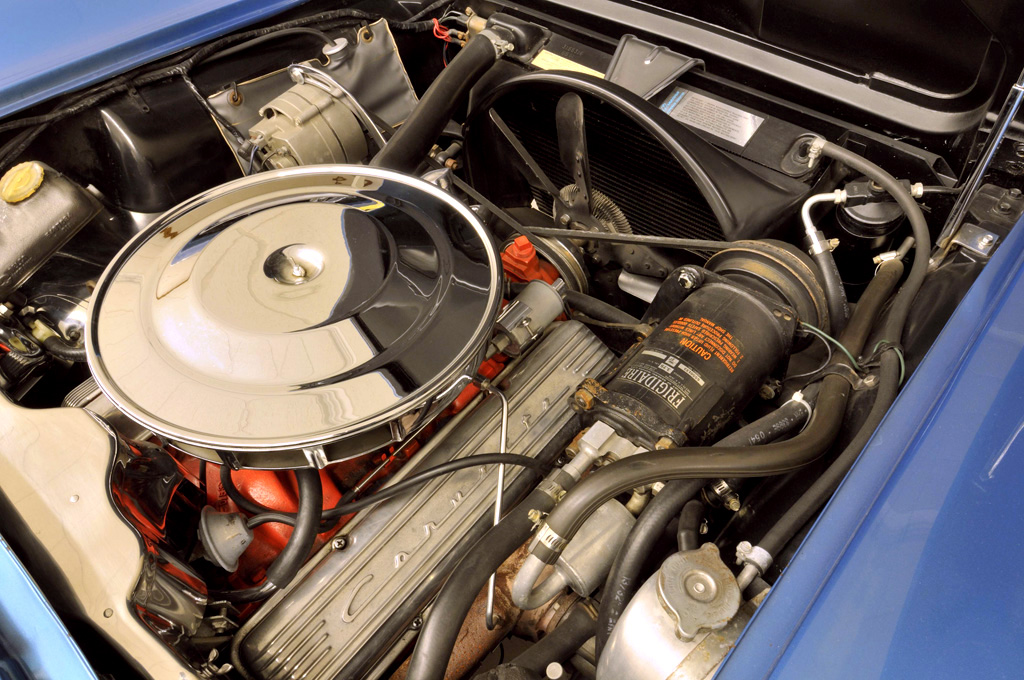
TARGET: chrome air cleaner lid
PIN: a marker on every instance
(293, 309)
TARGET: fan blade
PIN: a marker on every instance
(525, 162)
(572, 146)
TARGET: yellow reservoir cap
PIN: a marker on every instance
(21, 181)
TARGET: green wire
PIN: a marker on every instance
(899, 353)
(825, 336)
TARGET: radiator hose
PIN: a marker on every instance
(624, 577)
(409, 147)
(441, 629)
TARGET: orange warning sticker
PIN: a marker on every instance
(707, 339)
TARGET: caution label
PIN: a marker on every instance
(707, 340)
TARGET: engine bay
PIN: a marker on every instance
(456, 342)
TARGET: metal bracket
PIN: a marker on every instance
(304, 73)
(645, 68)
(977, 240)
(316, 456)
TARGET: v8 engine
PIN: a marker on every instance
(451, 342)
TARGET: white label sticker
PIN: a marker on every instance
(712, 116)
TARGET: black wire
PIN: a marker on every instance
(410, 482)
(428, 9)
(259, 40)
(268, 517)
(942, 190)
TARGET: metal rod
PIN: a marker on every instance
(977, 177)
(534, 233)
(489, 615)
(642, 239)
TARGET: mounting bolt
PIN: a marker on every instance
(766, 392)
(564, 220)
(1004, 207)
(584, 399)
(687, 279)
(870, 380)
(664, 443)
(987, 240)
(339, 543)
(417, 623)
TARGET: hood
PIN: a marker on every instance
(54, 46)
(938, 53)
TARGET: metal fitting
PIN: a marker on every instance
(755, 561)
(814, 152)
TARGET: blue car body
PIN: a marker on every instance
(909, 572)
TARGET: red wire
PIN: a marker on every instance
(440, 32)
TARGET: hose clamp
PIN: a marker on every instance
(548, 538)
(819, 244)
(552, 488)
(547, 545)
(500, 39)
(754, 555)
(798, 397)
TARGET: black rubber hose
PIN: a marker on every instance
(786, 419)
(436, 471)
(296, 550)
(624, 576)
(726, 461)
(411, 144)
(441, 628)
(307, 522)
(589, 305)
(62, 350)
(270, 517)
(237, 498)
(688, 533)
(835, 294)
(383, 494)
(559, 645)
(885, 281)
(599, 309)
(783, 531)
(897, 317)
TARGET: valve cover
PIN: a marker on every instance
(292, 309)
